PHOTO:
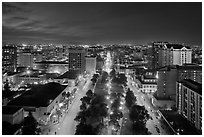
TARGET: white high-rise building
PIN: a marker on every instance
(174, 54)
(90, 64)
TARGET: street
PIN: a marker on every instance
(154, 125)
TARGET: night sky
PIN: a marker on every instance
(105, 23)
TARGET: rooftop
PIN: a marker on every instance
(33, 75)
(12, 73)
(51, 62)
(195, 86)
(190, 67)
(145, 82)
(176, 46)
(10, 110)
(168, 68)
(72, 74)
(90, 56)
(39, 95)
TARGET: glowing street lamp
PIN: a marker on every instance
(157, 75)
(28, 72)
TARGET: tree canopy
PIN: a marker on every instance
(30, 125)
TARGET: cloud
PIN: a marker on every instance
(98, 21)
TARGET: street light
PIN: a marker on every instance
(28, 72)
(157, 75)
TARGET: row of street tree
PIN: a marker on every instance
(117, 100)
(90, 119)
(137, 114)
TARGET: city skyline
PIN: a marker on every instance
(105, 23)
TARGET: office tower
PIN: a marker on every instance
(154, 54)
(37, 56)
(77, 59)
(166, 83)
(90, 64)
(189, 101)
(9, 58)
(26, 59)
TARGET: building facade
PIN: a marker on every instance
(26, 60)
(153, 56)
(148, 83)
(189, 101)
(174, 54)
(9, 58)
(12, 115)
(77, 59)
(90, 64)
(190, 71)
(41, 100)
(51, 66)
(166, 82)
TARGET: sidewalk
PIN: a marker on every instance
(47, 129)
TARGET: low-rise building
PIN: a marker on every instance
(52, 66)
(42, 100)
(68, 78)
(12, 77)
(149, 85)
(12, 114)
(33, 78)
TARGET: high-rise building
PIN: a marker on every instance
(189, 101)
(37, 56)
(90, 64)
(174, 54)
(167, 77)
(26, 60)
(166, 82)
(48, 52)
(77, 59)
(190, 71)
(153, 56)
(9, 59)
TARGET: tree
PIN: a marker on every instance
(139, 116)
(104, 77)
(103, 111)
(9, 129)
(86, 100)
(112, 73)
(30, 125)
(116, 115)
(130, 99)
(116, 104)
(83, 107)
(89, 93)
(68, 95)
(84, 129)
(6, 86)
(97, 99)
(81, 116)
